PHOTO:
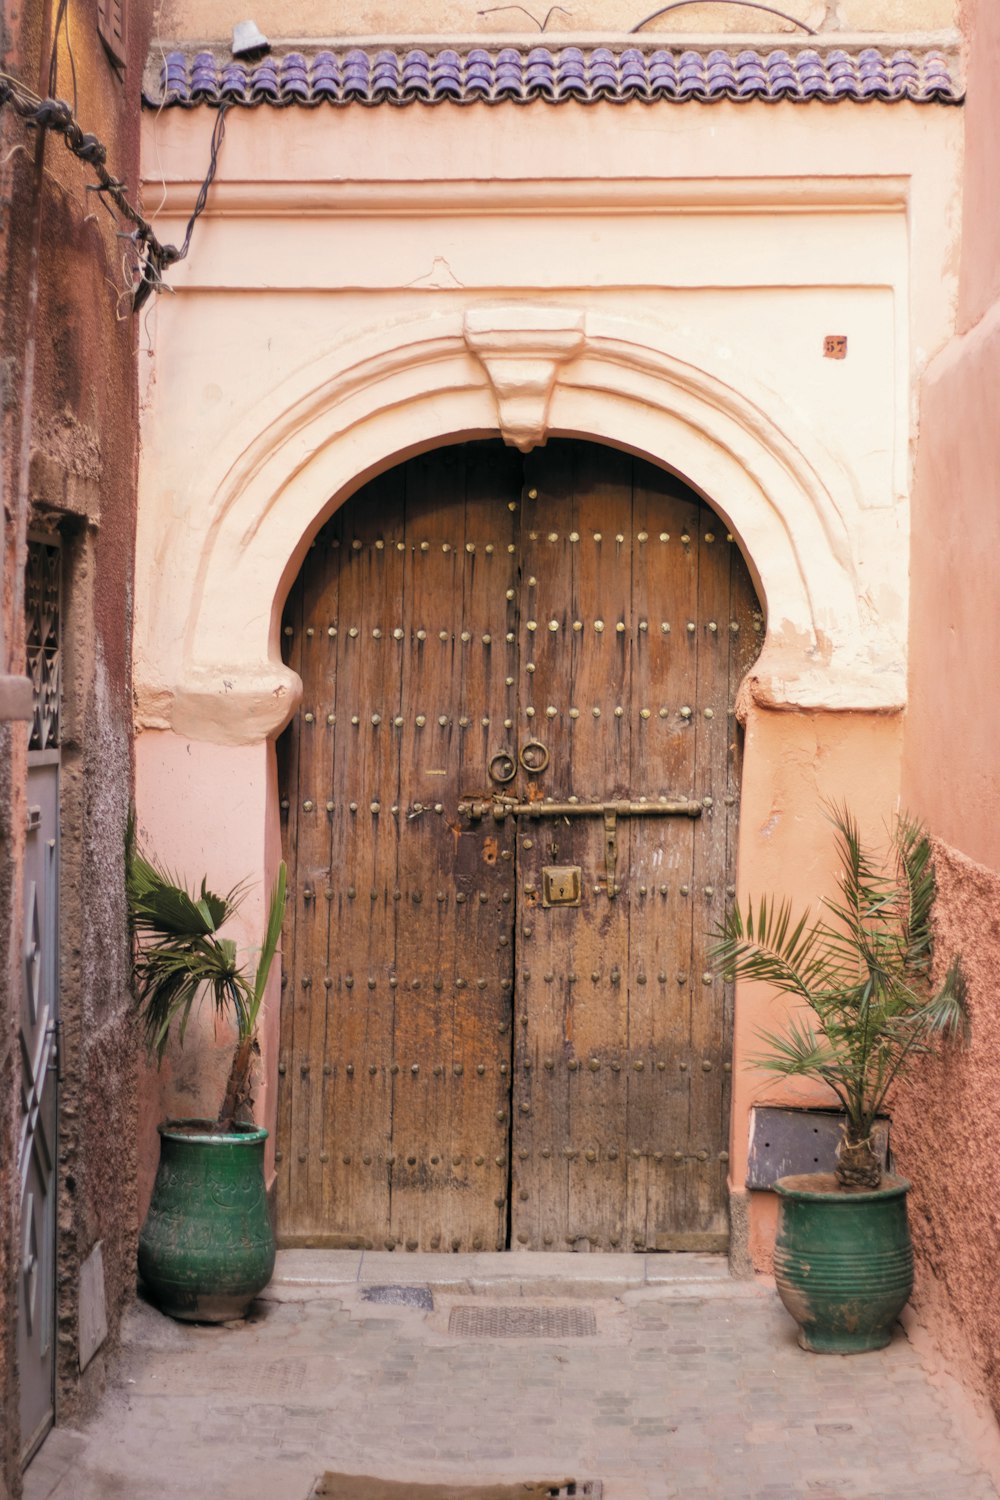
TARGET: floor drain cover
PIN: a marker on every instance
(505, 1322)
(363, 1487)
(400, 1296)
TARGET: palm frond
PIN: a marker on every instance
(159, 902)
(917, 871)
(773, 948)
(272, 935)
(797, 1051)
(179, 957)
(862, 968)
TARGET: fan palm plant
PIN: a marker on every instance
(179, 958)
(863, 976)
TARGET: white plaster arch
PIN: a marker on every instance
(529, 369)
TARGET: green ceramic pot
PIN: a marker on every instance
(843, 1262)
(207, 1246)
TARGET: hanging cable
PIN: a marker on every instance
(62, 21)
(152, 257)
(745, 4)
(218, 136)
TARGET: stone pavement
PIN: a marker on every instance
(692, 1386)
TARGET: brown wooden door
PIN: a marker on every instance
(463, 1059)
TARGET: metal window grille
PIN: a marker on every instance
(43, 601)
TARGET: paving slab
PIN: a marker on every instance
(317, 1267)
(688, 1389)
(591, 1275)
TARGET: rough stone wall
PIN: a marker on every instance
(944, 1129)
(10, 911)
(947, 1118)
(76, 424)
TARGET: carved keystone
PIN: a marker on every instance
(521, 349)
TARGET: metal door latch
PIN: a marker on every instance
(508, 807)
(562, 885)
(611, 850)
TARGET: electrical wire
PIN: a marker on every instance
(152, 257)
(62, 20)
(540, 24)
(218, 136)
(746, 4)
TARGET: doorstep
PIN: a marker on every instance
(495, 1274)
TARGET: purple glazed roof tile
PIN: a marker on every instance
(233, 84)
(204, 77)
(357, 75)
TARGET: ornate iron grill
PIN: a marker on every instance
(43, 599)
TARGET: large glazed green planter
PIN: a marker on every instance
(207, 1246)
(843, 1262)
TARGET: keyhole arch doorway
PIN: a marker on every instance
(510, 805)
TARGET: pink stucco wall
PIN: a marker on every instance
(980, 276)
(946, 1121)
(327, 327)
(795, 764)
(200, 812)
(945, 1125)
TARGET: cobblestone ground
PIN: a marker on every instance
(696, 1390)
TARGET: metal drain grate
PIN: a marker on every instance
(504, 1322)
(364, 1487)
(400, 1296)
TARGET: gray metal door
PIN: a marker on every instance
(39, 1007)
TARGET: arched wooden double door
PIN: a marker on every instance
(511, 797)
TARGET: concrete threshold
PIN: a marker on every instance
(315, 1272)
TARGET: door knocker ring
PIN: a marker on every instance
(502, 767)
(534, 756)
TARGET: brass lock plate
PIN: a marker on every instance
(562, 885)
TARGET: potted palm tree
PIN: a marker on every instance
(868, 1009)
(207, 1247)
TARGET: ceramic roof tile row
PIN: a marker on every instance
(366, 77)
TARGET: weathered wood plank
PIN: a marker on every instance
(288, 782)
(580, 660)
(707, 1206)
(663, 764)
(364, 767)
(450, 1117)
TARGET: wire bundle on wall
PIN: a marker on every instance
(152, 257)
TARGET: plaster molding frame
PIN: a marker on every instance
(522, 347)
(403, 387)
